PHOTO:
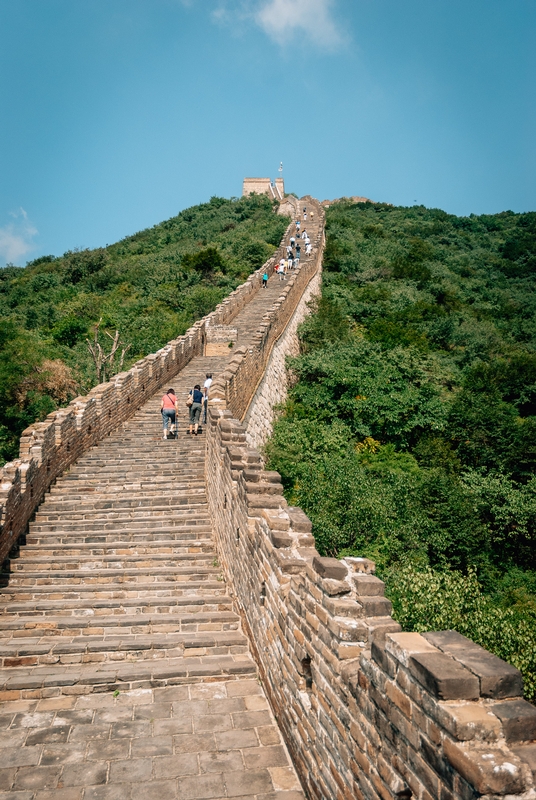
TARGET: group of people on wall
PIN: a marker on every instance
(196, 402)
(293, 249)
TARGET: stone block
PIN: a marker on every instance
(347, 630)
(518, 720)
(277, 520)
(330, 568)
(270, 476)
(403, 645)
(263, 487)
(256, 501)
(333, 587)
(342, 607)
(383, 659)
(497, 678)
(444, 677)
(376, 606)
(289, 563)
(379, 627)
(280, 539)
(469, 721)
(252, 475)
(299, 520)
(368, 585)
(487, 770)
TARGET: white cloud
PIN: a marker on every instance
(282, 19)
(16, 237)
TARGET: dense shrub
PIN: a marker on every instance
(410, 434)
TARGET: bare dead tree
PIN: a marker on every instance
(104, 361)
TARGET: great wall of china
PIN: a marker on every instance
(168, 630)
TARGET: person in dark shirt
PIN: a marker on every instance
(195, 408)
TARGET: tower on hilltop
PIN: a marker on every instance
(274, 189)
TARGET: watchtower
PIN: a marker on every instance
(274, 189)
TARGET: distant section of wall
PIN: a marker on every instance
(275, 189)
(48, 448)
(354, 199)
(273, 387)
(235, 388)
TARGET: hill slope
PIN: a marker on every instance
(410, 436)
(150, 286)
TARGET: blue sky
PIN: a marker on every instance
(117, 114)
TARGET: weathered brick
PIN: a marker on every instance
(518, 720)
(444, 677)
(497, 678)
(488, 770)
(330, 568)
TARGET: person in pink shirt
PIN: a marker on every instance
(168, 408)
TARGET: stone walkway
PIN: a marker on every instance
(125, 672)
(197, 740)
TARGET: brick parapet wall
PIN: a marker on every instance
(367, 710)
(48, 448)
(234, 388)
(273, 387)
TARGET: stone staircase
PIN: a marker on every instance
(117, 601)
(119, 581)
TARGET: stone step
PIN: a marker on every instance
(123, 675)
(90, 549)
(128, 479)
(113, 575)
(28, 652)
(94, 607)
(152, 526)
(146, 517)
(118, 502)
(47, 564)
(67, 536)
(114, 590)
(127, 459)
(120, 454)
(138, 486)
(18, 627)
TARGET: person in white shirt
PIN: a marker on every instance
(206, 387)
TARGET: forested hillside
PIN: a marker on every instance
(150, 287)
(410, 434)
